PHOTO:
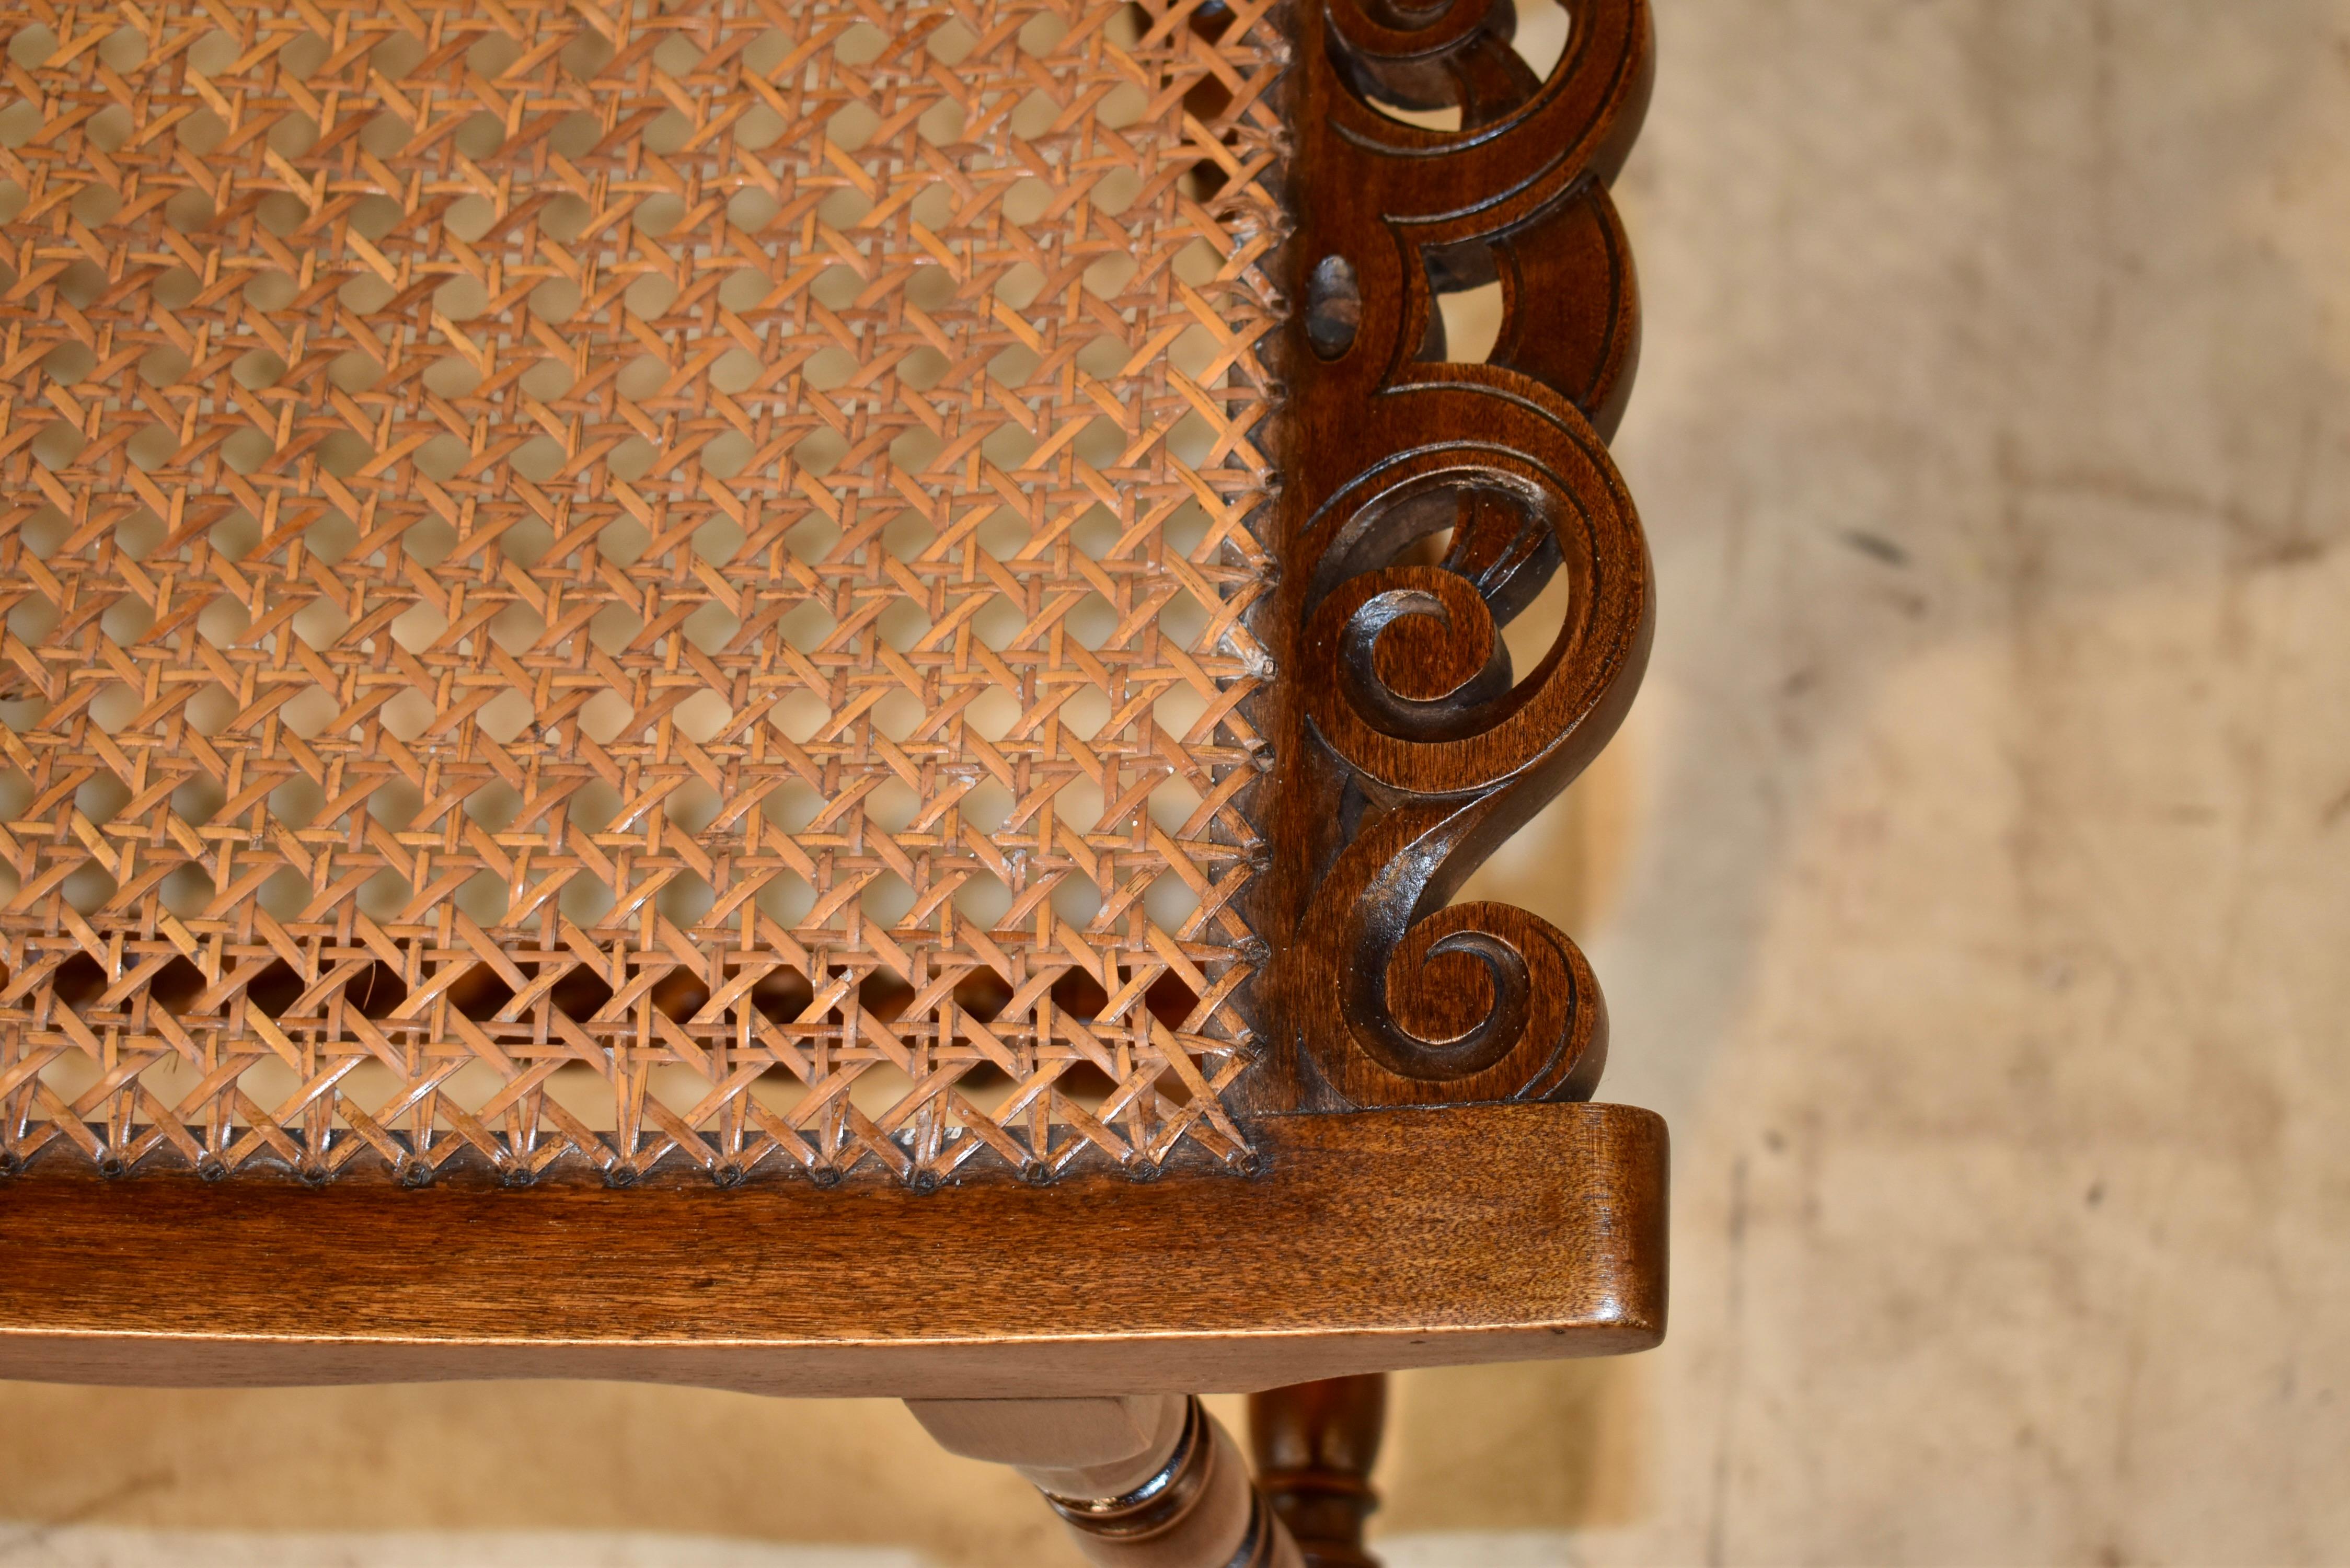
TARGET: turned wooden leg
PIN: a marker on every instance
(1142, 1481)
(1315, 1444)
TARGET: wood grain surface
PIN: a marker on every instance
(1370, 1242)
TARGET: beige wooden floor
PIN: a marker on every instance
(1971, 890)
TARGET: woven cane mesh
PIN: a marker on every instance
(660, 587)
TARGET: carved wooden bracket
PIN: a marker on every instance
(1406, 747)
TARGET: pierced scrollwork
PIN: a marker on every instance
(1408, 746)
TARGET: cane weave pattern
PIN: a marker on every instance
(653, 587)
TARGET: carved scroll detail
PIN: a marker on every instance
(1406, 746)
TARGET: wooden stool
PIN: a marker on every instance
(788, 697)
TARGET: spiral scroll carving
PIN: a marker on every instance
(1407, 747)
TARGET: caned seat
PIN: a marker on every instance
(789, 696)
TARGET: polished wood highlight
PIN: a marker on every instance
(1151, 1481)
(1315, 1444)
(1370, 1242)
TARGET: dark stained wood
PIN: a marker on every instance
(1315, 1444)
(1141, 1482)
(1405, 746)
(1370, 1242)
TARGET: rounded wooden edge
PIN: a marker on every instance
(1372, 1242)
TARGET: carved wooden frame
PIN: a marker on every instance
(1404, 750)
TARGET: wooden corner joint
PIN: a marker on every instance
(1426, 501)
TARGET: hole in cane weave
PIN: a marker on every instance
(821, 451)
(986, 1086)
(151, 447)
(1078, 804)
(429, 542)
(884, 995)
(585, 901)
(1170, 902)
(114, 709)
(573, 137)
(751, 210)
(67, 363)
(1031, 117)
(852, 126)
(111, 127)
(1079, 994)
(209, 711)
(746, 288)
(417, 627)
(294, 135)
(1179, 712)
(563, 219)
(1170, 1000)
(364, 293)
(685, 900)
(1084, 714)
(659, 213)
(285, 894)
(987, 805)
(376, 990)
(983, 994)
(311, 709)
(175, 987)
(451, 375)
(398, 54)
(711, 628)
(799, 716)
(1076, 899)
(982, 900)
(632, 459)
(782, 994)
(880, 1089)
(678, 995)
(376, 216)
(492, 53)
(480, 993)
(32, 45)
(483, 898)
(580, 995)
(59, 443)
(604, 716)
(78, 981)
(384, 894)
(223, 623)
(527, 543)
(32, 618)
(20, 122)
(1085, 1085)
(198, 801)
(585, 54)
(495, 805)
(885, 898)
(95, 204)
(461, 298)
(787, 899)
(299, 799)
(517, 627)
(479, 135)
(507, 715)
(669, 132)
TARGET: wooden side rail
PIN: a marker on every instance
(1368, 1242)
